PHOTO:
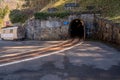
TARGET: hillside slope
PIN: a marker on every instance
(12, 4)
(110, 8)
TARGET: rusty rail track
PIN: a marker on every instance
(39, 52)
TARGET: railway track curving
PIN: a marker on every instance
(6, 59)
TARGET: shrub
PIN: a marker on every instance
(43, 15)
(17, 16)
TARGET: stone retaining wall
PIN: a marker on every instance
(54, 28)
(51, 29)
(107, 30)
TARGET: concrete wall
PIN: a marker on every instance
(107, 30)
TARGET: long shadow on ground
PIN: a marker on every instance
(70, 72)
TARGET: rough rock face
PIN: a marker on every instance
(107, 30)
(55, 28)
(51, 29)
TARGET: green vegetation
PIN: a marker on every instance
(1, 23)
(17, 16)
(45, 15)
(3, 13)
(110, 8)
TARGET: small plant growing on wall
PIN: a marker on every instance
(45, 15)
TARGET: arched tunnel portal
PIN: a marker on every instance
(77, 29)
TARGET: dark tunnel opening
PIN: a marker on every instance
(76, 29)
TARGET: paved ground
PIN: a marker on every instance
(87, 61)
(8, 47)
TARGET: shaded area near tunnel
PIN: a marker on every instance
(76, 29)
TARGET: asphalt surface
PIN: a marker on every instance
(86, 61)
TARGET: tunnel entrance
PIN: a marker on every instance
(76, 29)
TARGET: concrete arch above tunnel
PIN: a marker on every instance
(77, 29)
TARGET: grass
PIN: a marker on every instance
(110, 8)
(115, 18)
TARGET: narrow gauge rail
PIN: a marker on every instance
(43, 51)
